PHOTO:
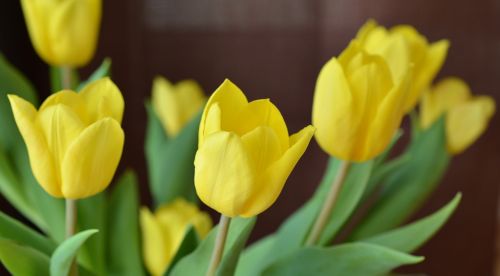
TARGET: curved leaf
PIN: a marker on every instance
(354, 259)
(60, 262)
(23, 260)
(188, 245)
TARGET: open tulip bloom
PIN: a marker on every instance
(230, 154)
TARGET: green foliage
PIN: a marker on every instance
(104, 70)
(23, 260)
(405, 190)
(60, 262)
(15, 231)
(252, 256)
(170, 160)
(122, 225)
(197, 262)
(354, 259)
(410, 237)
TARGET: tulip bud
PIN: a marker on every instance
(357, 105)
(74, 140)
(164, 231)
(244, 153)
(401, 46)
(63, 32)
(176, 104)
(467, 117)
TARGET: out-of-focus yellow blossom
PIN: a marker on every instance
(403, 45)
(63, 32)
(164, 231)
(176, 104)
(467, 116)
(244, 153)
(74, 140)
(357, 106)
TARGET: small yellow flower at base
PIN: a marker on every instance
(164, 231)
(467, 117)
(357, 106)
(176, 104)
(74, 140)
(401, 46)
(244, 153)
(63, 33)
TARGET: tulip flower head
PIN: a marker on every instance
(358, 106)
(467, 116)
(403, 45)
(63, 32)
(244, 153)
(164, 231)
(176, 104)
(74, 140)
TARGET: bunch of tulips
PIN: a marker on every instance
(233, 155)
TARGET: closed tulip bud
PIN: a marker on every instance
(163, 232)
(244, 153)
(403, 45)
(357, 105)
(467, 116)
(176, 104)
(63, 32)
(74, 140)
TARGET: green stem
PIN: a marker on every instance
(220, 241)
(326, 210)
(71, 219)
(66, 81)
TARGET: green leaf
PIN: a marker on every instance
(23, 260)
(92, 215)
(104, 70)
(170, 160)
(406, 189)
(188, 245)
(292, 234)
(56, 78)
(61, 260)
(354, 259)
(252, 256)
(410, 237)
(12, 82)
(197, 262)
(123, 236)
(14, 230)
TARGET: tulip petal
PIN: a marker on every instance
(445, 95)
(261, 113)
(467, 121)
(155, 252)
(41, 161)
(91, 160)
(263, 146)
(68, 98)
(103, 99)
(67, 19)
(36, 21)
(224, 178)
(331, 89)
(269, 186)
(230, 99)
(213, 120)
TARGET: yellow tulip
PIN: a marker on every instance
(403, 45)
(176, 104)
(467, 117)
(63, 32)
(74, 140)
(164, 231)
(244, 153)
(357, 105)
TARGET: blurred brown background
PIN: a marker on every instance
(274, 49)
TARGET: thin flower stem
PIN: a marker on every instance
(220, 241)
(66, 80)
(71, 219)
(328, 205)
